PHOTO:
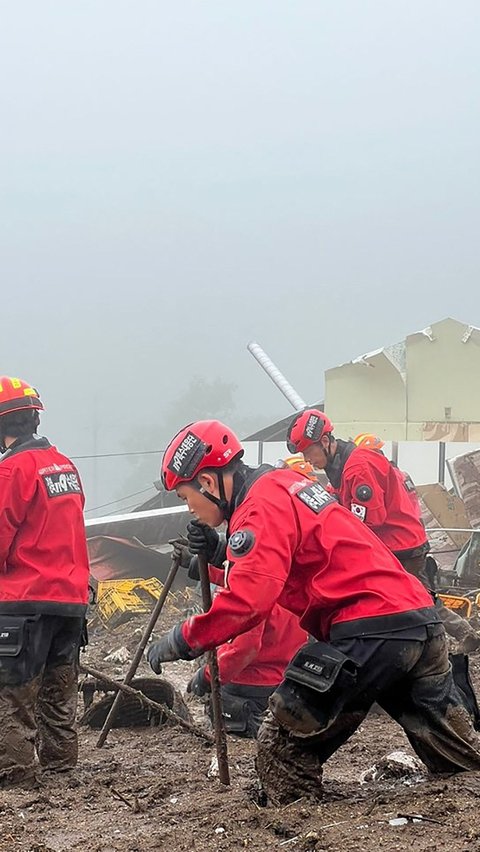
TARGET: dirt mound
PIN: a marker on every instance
(149, 789)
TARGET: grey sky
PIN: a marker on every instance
(179, 178)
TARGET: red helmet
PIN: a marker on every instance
(307, 428)
(17, 395)
(204, 444)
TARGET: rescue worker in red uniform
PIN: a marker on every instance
(251, 666)
(455, 625)
(384, 497)
(43, 591)
(378, 636)
(365, 482)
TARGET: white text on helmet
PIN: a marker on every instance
(183, 450)
(311, 426)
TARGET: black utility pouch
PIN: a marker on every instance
(463, 682)
(12, 635)
(235, 712)
(319, 666)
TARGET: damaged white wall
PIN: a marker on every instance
(419, 458)
(422, 389)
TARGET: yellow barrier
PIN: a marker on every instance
(458, 604)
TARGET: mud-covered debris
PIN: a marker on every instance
(120, 655)
(213, 768)
(404, 820)
(396, 766)
(132, 714)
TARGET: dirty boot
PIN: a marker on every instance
(17, 733)
(287, 768)
(57, 743)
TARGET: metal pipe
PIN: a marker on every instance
(395, 453)
(442, 455)
(260, 453)
(276, 376)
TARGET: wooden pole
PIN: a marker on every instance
(139, 652)
(218, 720)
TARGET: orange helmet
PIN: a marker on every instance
(17, 395)
(299, 465)
(368, 441)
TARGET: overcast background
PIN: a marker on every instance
(179, 178)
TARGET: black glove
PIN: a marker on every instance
(181, 552)
(199, 685)
(170, 647)
(202, 539)
(470, 643)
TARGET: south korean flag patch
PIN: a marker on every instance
(358, 510)
(315, 497)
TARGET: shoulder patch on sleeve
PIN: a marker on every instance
(363, 493)
(359, 511)
(60, 484)
(315, 497)
(241, 542)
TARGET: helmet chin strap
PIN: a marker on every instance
(328, 451)
(221, 502)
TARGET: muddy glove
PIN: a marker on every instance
(204, 539)
(170, 647)
(199, 685)
(181, 552)
(469, 643)
(187, 559)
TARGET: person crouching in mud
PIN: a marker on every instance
(252, 665)
(378, 636)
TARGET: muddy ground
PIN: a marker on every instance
(148, 789)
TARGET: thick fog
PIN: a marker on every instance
(180, 178)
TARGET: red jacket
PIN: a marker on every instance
(43, 551)
(291, 543)
(260, 656)
(384, 498)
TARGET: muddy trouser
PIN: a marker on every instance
(410, 678)
(421, 565)
(38, 693)
(417, 562)
(243, 708)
